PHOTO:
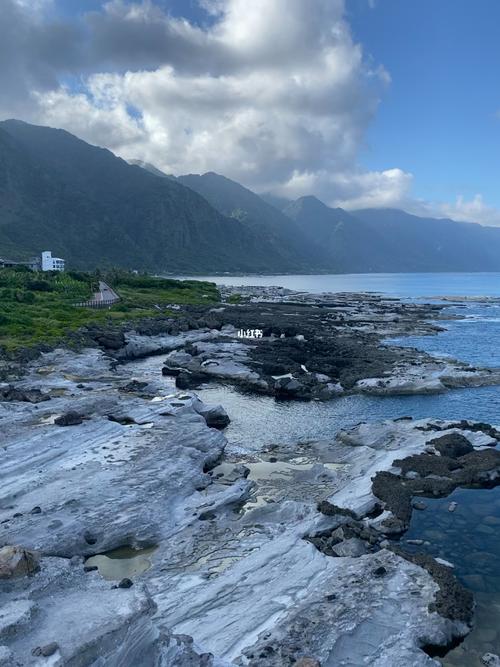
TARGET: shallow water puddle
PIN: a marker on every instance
(469, 537)
(274, 479)
(269, 470)
(121, 563)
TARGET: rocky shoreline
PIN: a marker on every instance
(317, 347)
(285, 556)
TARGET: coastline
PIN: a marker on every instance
(248, 582)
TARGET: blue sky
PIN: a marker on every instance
(439, 117)
(274, 93)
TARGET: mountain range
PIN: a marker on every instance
(94, 209)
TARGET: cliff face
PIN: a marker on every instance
(95, 209)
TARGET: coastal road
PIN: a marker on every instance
(105, 293)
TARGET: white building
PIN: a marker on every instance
(50, 263)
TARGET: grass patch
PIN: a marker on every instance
(39, 307)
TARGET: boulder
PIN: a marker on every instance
(134, 386)
(10, 393)
(186, 380)
(70, 418)
(166, 371)
(452, 445)
(215, 416)
(291, 388)
(17, 562)
(111, 340)
(46, 650)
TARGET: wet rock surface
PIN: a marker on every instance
(231, 568)
(278, 557)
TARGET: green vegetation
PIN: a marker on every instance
(40, 307)
(237, 298)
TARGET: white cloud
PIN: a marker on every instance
(473, 210)
(272, 94)
(352, 189)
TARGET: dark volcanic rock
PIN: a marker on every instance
(170, 372)
(46, 650)
(90, 568)
(135, 386)
(216, 417)
(69, 419)
(437, 476)
(189, 380)
(453, 600)
(452, 445)
(393, 492)
(110, 340)
(291, 388)
(329, 509)
(9, 393)
(427, 464)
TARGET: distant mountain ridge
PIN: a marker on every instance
(94, 209)
(275, 229)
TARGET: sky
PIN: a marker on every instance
(363, 103)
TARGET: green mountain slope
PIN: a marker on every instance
(391, 240)
(433, 244)
(276, 229)
(94, 209)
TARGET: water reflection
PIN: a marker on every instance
(122, 563)
(469, 538)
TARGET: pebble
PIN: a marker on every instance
(125, 583)
(36, 510)
(379, 571)
(45, 651)
(416, 542)
(452, 506)
(89, 537)
(90, 568)
(418, 505)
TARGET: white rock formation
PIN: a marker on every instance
(243, 584)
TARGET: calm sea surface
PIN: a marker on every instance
(406, 285)
(468, 537)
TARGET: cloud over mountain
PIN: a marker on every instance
(276, 94)
(272, 93)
